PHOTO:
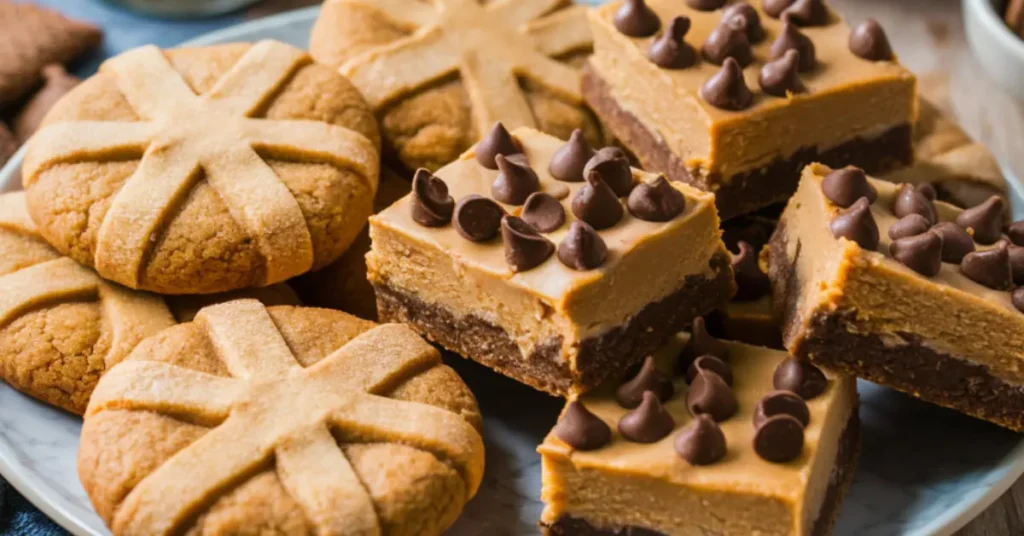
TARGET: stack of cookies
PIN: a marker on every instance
(598, 203)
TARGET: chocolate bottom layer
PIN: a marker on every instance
(834, 340)
(839, 483)
(546, 368)
(751, 190)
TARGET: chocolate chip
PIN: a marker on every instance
(845, 186)
(781, 77)
(800, 377)
(727, 89)
(751, 282)
(751, 20)
(431, 204)
(582, 248)
(581, 429)
(921, 253)
(477, 218)
(656, 201)
(779, 439)
(711, 395)
(791, 38)
(857, 224)
(701, 442)
(986, 219)
(635, 19)
(705, 5)
(568, 162)
(990, 267)
(597, 204)
(1018, 298)
(956, 242)
(631, 393)
(712, 364)
(669, 50)
(781, 403)
(543, 212)
(648, 423)
(728, 40)
(1015, 232)
(807, 12)
(701, 343)
(868, 41)
(497, 141)
(910, 200)
(612, 166)
(1016, 263)
(909, 225)
(750, 229)
(774, 8)
(928, 191)
(515, 182)
(525, 248)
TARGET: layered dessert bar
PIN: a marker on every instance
(878, 280)
(737, 98)
(741, 440)
(552, 279)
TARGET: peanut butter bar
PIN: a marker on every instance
(736, 98)
(707, 437)
(553, 280)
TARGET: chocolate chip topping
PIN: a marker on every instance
(868, 41)
(705, 5)
(635, 19)
(656, 201)
(910, 200)
(631, 393)
(986, 219)
(701, 442)
(582, 248)
(727, 89)
(781, 402)
(711, 395)
(928, 191)
(477, 218)
(701, 343)
(791, 38)
(990, 267)
(1018, 298)
(752, 21)
(568, 162)
(956, 242)
(543, 212)
(909, 225)
(774, 8)
(845, 186)
(497, 141)
(612, 166)
(669, 50)
(431, 205)
(921, 253)
(525, 248)
(800, 377)
(515, 182)
(712, 364)
(648, 423)
(597, 204)
(728, 40)
(752, 283)
(1016, 263)
(781, 77)
(857, 224)
(779, 439)
(807, 12)
(581, 429)
(1015, 232)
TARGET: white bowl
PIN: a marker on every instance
(998, 50)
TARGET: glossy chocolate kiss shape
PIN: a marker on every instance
(990, 267)
(986, 219)
(569, 160)
(670, 50)
(921, 253)
(705, 5)
(1015, 232)
(656, 201)
(779, 439)
(515, 181)
(701, 442)
(1017, 297)
(751, 282)
(648, 423)
(727, 89)
(868, 41)
(781, 403)
(635, 19)
(800, 377)
(582, 248)
(857, 224)
(774, 8)
(430, 203)
(711, 395)
(781, 77)
(477, 218)
(956, 242)
(581, 429)
(909, 225)
(612, 166)
(701, 343)
(709, 363)
(631, 393)
(845, 186)
(497, 141)
(543, 212)
(807, 12)
(910, 200)
(752, 21)
(525, 248)
(791, 38)
(1016, 263)
(728, 40)
(596, 203)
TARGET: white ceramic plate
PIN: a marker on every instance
(923, 471)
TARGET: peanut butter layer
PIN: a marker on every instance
(847, 97)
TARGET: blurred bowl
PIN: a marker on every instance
(183, 9)
(997, 49)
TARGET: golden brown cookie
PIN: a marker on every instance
(195, 171)
(56, 83)
(284, 420)
(439, 74)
